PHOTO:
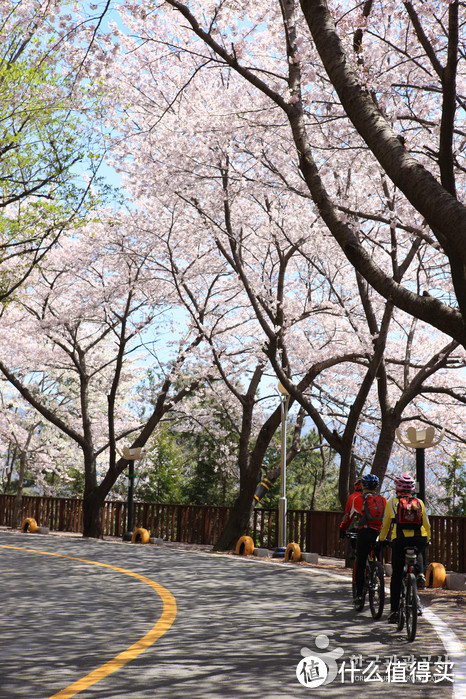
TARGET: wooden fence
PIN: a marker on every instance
(314, 531)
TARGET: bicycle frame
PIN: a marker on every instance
(409, 605)
(374, 582)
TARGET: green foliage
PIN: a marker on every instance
(311, 477)
(161, 477)
(454, 484)
(198, 462)
(28, 487)
(211, 482)
(182, 468)
(43, 138)
(74, 486)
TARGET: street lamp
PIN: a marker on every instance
(420, 440)
(281, 548)
(131, 455)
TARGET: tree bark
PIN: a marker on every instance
(19, 490)
(443, 212)
(93, 504)
(238, 522)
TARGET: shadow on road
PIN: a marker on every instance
(239, 630)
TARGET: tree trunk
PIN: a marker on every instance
(385, 445)
(10, 463)
(238, 523)
(19, 492)
(92, 515)
(93, 498)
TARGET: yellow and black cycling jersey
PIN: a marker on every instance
(389, 519)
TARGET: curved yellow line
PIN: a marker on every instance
(163, 624)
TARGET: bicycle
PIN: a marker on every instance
(410, 606)
(374, 583)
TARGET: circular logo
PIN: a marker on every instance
(311, 671)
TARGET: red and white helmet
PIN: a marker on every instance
(404, 483)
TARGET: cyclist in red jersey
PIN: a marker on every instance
(368, 527)
(352, 515)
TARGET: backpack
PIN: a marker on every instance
(373, 511)
(408, 513)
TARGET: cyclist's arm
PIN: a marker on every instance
(345, 523)
(350, 512)
(425, 522)
(387, 521)
(346, 518)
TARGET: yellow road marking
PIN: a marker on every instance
(163, 624)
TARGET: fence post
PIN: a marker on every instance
(462, 545)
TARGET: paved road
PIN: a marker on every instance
(239, 629)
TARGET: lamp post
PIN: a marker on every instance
(281, 548)
(131, 455)
(420, 440)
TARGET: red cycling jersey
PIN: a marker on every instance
(353, 511)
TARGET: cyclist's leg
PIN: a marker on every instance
(397, 572)
(420, 542)
(362, 550)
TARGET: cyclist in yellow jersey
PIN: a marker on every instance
(418, 536)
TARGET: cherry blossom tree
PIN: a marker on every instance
(298, 174)
(287, 309)
(35, 453)
(78, 328)
(322, 65)
(211, 125)
(291, 341)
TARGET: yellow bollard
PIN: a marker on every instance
(435, 575)
(293, 552)
(140, 536)
(29, 525)
(245, 546)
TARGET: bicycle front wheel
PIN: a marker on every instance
(377, 590)
(411, 607)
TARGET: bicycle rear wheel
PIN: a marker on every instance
(358, 607)
(377, 590)
(401, 609)
(411, 607)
